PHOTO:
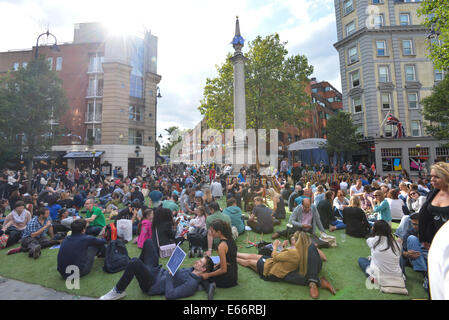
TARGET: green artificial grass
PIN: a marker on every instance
(341, 269)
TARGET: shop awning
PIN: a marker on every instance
(49, 155)
(307, 144)
(83, 155)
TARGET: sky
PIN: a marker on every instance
(193, 37)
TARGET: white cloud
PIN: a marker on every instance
(194, 36)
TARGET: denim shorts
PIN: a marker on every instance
(261, 263)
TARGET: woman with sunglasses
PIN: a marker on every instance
(381, 207)
(415, 201)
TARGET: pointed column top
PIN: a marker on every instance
(238, 42)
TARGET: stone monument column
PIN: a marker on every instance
(238, 61)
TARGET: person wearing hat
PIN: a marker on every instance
(15, 223)
(156, 197)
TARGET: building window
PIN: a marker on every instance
(348, 6)
(315, 90)
(95, 88)
(24, 64)
(417, 158)
(96, 63)
(404, 19)
(357, 104)
(377, 1)
(58, 63)
(94, 110)
(391, 159)
(355, 79)
(407, 47)
(442, 154)
(381, 48)
(410, 73)
(353, 55)
(384, 74)
(136, 86)
(95, 134)
(438, 75)
(416, 128)
(16, 66)
(135, 136)
(412, 99)
(388, 130)
(350, 28)
(378, 20)
(50, 62)
(297, 138)
(135, 113)
(386, 101)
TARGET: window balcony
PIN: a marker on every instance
(93, 117)
(94, 92)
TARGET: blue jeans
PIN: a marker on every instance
(364, 263)
(419, 264)
(145, 268)
(404, 226)
(339, 224)
(93, 230)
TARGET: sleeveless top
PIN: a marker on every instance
(229, 279)
(440, 215)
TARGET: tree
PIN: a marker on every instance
(341, 134)
(29, 99)
(275, 89)
(175, 136)
(436, 110)
(436, 19)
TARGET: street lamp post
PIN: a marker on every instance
(54, 47)
(158, 95)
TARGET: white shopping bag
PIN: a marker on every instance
(125, 229)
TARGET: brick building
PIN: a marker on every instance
(111, 86)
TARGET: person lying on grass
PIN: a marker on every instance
(154, 280)
(298, 265)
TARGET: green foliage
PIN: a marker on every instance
(341, 134)
(174, 138)
(436, 15)
(436, 110)
(275, 88)
(29, 98)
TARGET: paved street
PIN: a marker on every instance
(17, 290)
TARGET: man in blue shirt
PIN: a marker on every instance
(154, 280)
(79, 249)
(34, 236)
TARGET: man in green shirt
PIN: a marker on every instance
(171, 204)
(94, 217)
(215, 214)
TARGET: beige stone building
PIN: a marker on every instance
(385, 70)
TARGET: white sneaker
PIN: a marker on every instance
(113, 295)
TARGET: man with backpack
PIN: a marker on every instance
(79, 250)
(154, 280)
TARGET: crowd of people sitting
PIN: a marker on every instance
(171, 204)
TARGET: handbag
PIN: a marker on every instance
(392, 284)
(167, 250)
(3, 241)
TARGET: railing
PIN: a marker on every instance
(95, 92)
(93, 117)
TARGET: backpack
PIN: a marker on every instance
(110, 232)
(116, 258)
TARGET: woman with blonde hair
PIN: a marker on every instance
(435, 211)
(298, 265)
(354, 217)
(318, 195)
(308, 191)
(278, 204)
